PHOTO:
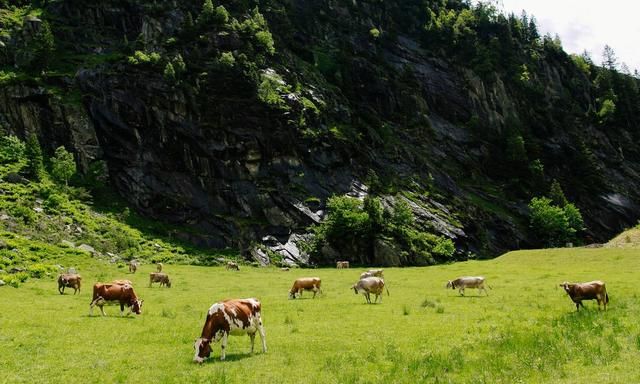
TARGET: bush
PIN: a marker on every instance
(554, 225)
(12, 149)
(33, 153)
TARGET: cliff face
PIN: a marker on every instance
(244, 145)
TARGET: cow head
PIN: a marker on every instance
(202, 348)
(450, 284)
(355, 288)
(168, 283)
(292, 295)
(567, 286)
(136, 306)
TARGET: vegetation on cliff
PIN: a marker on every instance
(264, 113)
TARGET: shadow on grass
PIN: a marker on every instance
(215, 359)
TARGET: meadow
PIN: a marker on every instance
(525, 331)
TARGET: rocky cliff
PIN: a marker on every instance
(271, 107)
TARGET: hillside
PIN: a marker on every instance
(627, 239)
(235, 122)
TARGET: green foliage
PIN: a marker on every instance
(271, 87)
(33, 152)
(557, 194)
(12, 149)
(607, 110)
(63, 166)
(169, 73)
(552, 224)
(352, 224)
(227, 60)
(374, 32)
(221, 15)
(264, 39)
(142, 58)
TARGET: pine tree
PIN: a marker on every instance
(34, 157)
(609, 59)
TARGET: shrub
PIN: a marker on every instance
(169, 73)
(12, 149)
(227, 60)
(374, 32)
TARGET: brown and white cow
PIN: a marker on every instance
(305, 284)
(159, 267)
(162, 278)
(124, 294)
(71, 280)
(232, 265)
(370, 285)
(342, 264)
(229, 317)
(592, 290)
(372, 272)
(468, 282)
(133, 266)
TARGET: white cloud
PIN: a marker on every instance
(588, 25)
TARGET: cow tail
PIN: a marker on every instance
(606, 298)
(387, 290)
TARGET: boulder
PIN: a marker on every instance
(87, 248)
(260, 256)
(2, 283)
(385, 253)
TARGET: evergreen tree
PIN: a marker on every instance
(33, 152)
(609, 59)
(557, 194)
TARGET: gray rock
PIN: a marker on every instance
(2, 283)
(386, 254)
(260, 256)
(87, 248)
(67, 243)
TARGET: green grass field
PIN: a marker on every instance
(525, 331)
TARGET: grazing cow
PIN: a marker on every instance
(71, 280)
(370, 285)
(233, 265)
(305, 284)
(123, 294)
(371, 273)
(229, 317)
(133, 266)
(342, 264)
(162, 278)
(468, 282)
(593, 290)
(159, 267)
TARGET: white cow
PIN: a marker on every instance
(468, 282)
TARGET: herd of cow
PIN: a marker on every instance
(243, 316)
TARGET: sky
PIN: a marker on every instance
(587, 25)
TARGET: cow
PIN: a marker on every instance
(370, 285)
(468, 282)
(342, 264)
(305, 284)
(592, 290)
(229, 317)
(159, 267)
(71, 280)
(133, 266)
(123, 294)
(162, 278)
(232, 265)
(371, 273)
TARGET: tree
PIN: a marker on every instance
(609, 59)
(62, 165)
(169, 73)
(549, 222)
(33, 152)
(557, 194)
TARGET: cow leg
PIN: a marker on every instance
(224, 345)
(314, 292)
(461, 291)
(252, 336)
(262, 336)
(368, 296)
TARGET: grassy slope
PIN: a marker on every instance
(627, 239)
(525, 331)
